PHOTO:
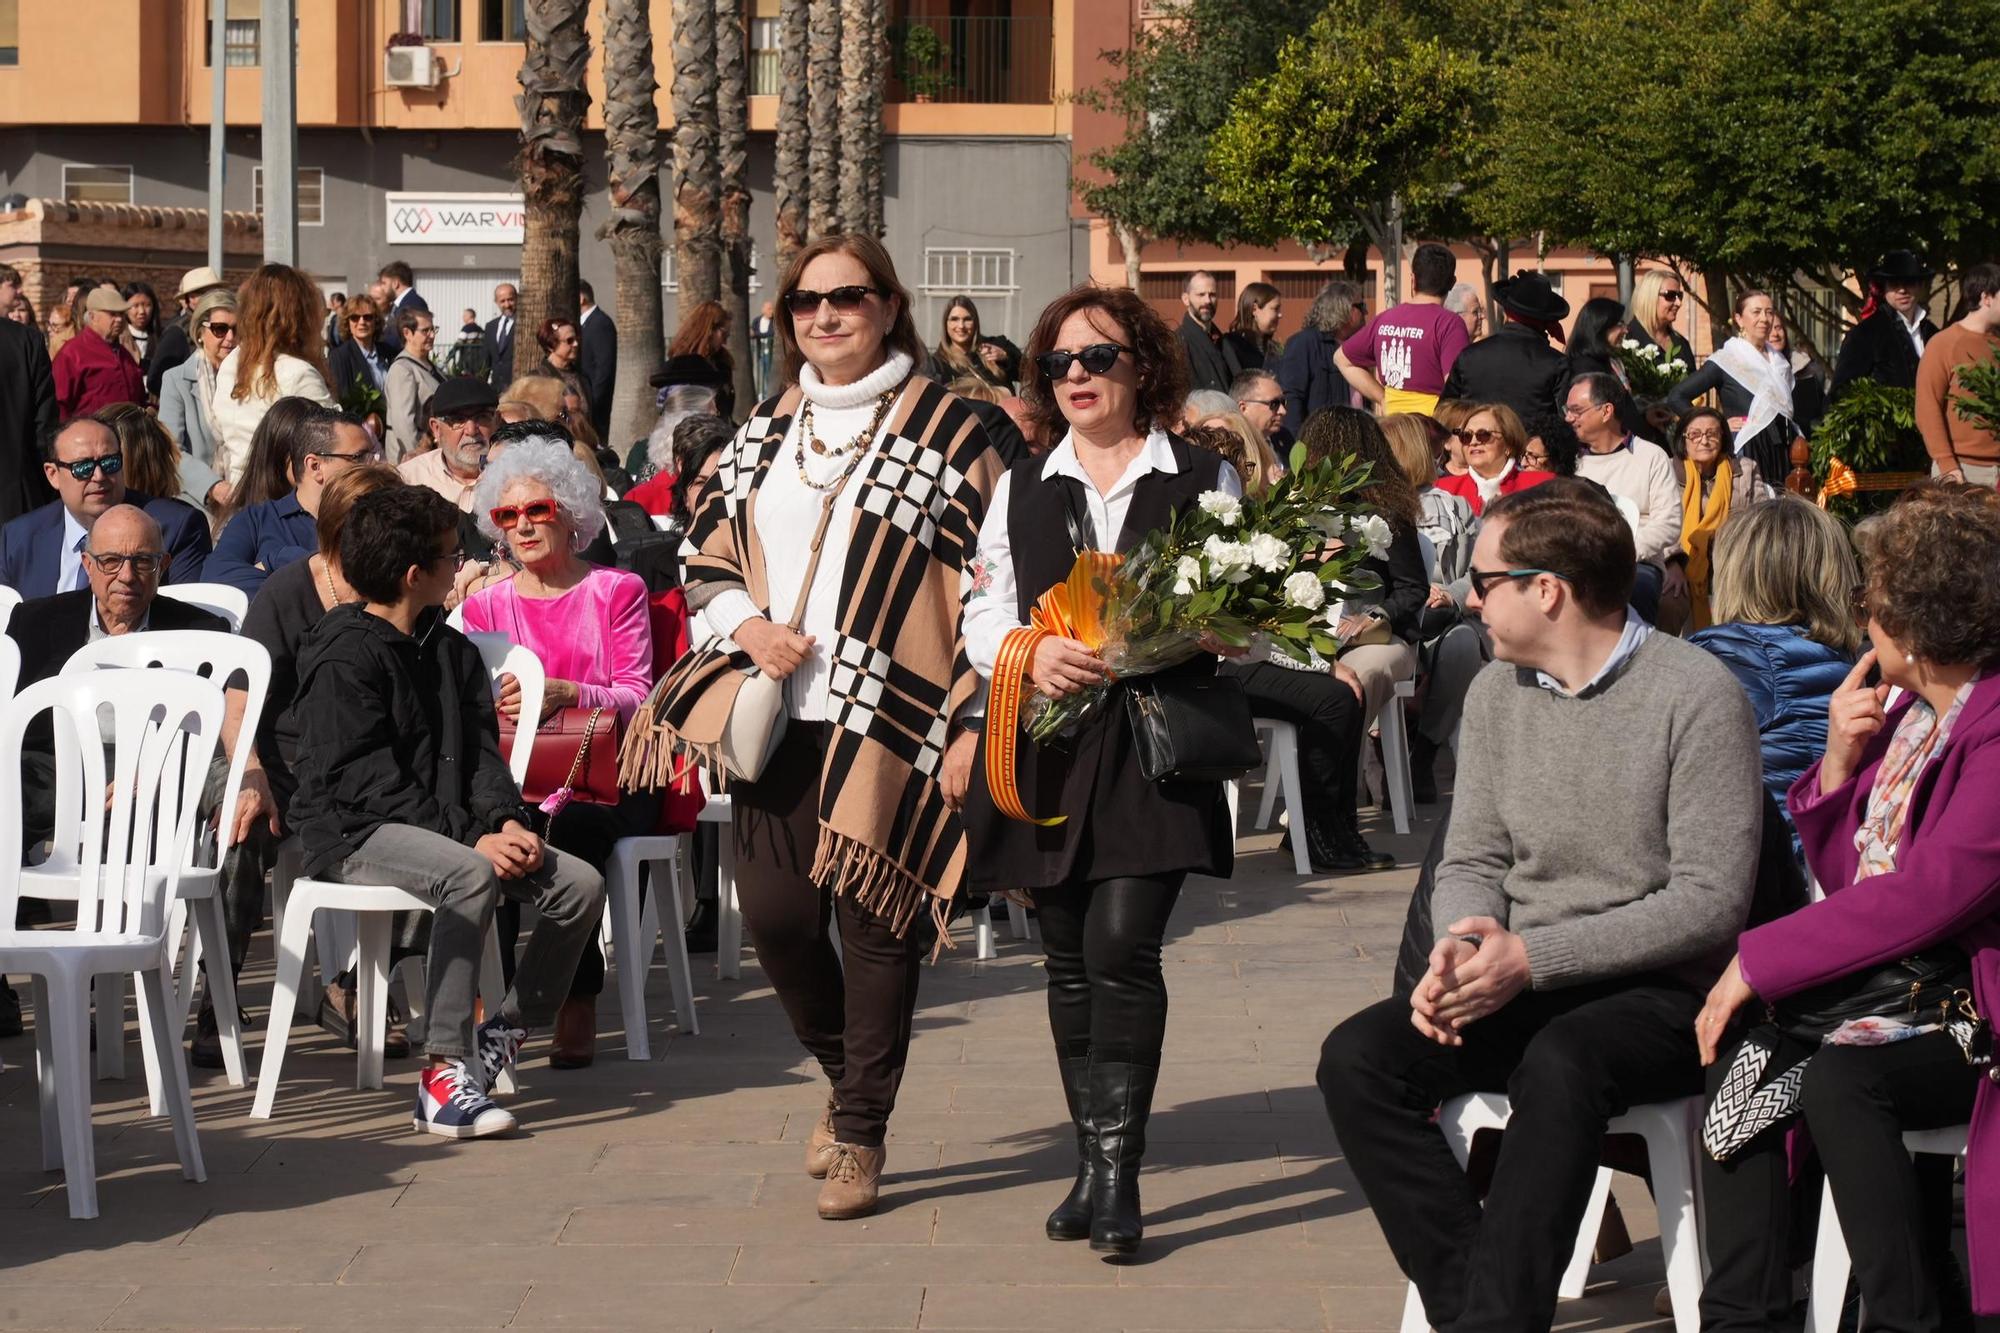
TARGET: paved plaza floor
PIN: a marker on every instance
(671, 1194)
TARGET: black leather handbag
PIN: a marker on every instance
(1191, 728)
(1935, 984)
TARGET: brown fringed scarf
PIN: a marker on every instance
(899, 669)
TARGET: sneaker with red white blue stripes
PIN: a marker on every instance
(452, 1105)
(497, 1043)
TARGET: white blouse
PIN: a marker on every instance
(787, 513)
(993, 605)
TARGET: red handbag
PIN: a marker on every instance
(575, 758)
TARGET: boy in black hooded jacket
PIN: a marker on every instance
(401, 782)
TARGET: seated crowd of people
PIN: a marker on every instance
(1677, 698)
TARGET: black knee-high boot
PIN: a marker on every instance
(1071, 1218)
(1121, 1101)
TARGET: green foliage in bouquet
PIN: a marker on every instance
(1231, 570)
(1650, 371)
(360, 398)
(1870, 428)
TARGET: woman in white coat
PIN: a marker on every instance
(279, 355)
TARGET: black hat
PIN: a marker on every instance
(687, 369)
(463, 394)
(1900, 266)
(1530, 296)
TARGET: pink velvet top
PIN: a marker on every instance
(597, 634)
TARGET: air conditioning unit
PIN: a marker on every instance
(412, 67)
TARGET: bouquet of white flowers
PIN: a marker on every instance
(1228, 570)
(1648, 370)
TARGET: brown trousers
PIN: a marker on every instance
(855, 1020)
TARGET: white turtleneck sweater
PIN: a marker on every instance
(788, 512)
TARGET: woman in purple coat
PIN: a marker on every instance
(1897, 824)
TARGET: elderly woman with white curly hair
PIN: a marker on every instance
(590, 627)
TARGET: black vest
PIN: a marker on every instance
(1118, 823)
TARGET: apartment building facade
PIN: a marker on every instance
(406, 150)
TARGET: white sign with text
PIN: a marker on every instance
(455, 219)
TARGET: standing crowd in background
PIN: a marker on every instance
(1673, 693)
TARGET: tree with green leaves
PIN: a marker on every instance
(1783, 143)
(1173, 88)
(1344, 134)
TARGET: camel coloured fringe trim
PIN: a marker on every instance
(900, 672)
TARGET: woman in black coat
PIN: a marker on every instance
(1593, 341)
(1105, 368)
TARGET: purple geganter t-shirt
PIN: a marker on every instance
(1409, 347)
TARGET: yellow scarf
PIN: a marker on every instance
(1699, 522)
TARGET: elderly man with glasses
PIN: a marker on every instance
(124, 559)
(42, 551)
(463, 415)
(263, 538)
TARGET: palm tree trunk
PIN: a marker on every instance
(823, 115)
(697, 176)
(794, 189)
(732, 118)
(878, 36)
(632, 145)
(552, 103)
(860, 113)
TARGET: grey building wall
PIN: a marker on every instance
(979, 193)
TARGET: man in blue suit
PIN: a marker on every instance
(41, 552)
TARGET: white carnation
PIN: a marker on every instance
(1225, 508)
(1187, 575)
(1330, 524)
(1268, 553)
(1374, 529)
(1228, 561)
(1630, 344)
(1651, 351)
(1304, 589)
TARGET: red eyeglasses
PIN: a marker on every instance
(536, 511)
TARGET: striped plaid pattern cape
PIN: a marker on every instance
(899, 668)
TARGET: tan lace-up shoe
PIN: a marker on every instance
(853, 1182)
(819, 1148)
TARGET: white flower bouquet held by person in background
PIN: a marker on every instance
(1228, 571)
(1649, 372)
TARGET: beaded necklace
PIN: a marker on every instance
(807, 436)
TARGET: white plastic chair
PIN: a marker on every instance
(1831, 1261)
(9, 599)
(232, 604)
(164, 726)
(1669, 1129)
(10, 656)
(636, 932)
(1396, 753)
(293, 907)
(216, 658)
(729, 914)
(1281, 772)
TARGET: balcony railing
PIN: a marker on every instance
(978, 60)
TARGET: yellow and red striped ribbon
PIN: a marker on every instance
(1072, 609)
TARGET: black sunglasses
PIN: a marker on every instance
(1672, 296)
(1097, 359)
(110, 465)
(844, 300)
(1482, 580)
(219, 329)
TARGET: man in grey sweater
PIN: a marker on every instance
(1598, 866)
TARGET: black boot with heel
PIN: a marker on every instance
(1121, 1102)
(1071, 1219)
